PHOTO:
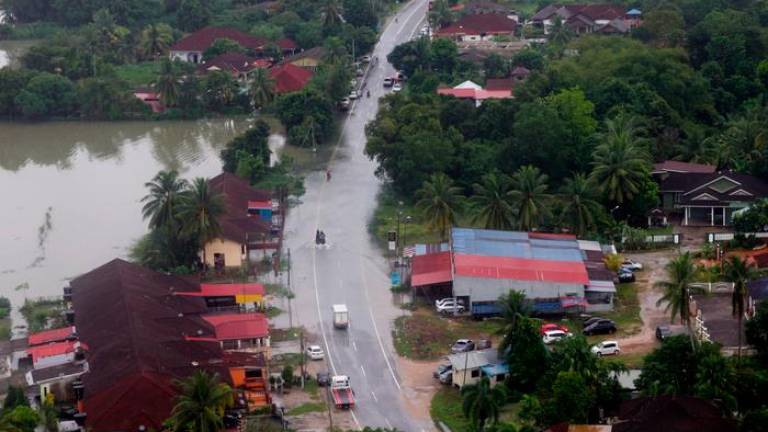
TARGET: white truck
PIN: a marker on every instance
(340, 316)
(341, 390)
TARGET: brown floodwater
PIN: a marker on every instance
(70, 191)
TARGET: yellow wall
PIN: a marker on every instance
(306, 62)
(232, 252)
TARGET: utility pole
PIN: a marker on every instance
(301, 333)
(290, 291)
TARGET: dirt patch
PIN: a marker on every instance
(418, 387)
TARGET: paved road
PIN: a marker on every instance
(351, 269)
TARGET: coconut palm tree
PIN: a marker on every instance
(514, 309)
(491, 201)
(440, 15)
(580, 207)
(262, 88)
(677, 289)
(331, 13)
(168, 83)
(529, 196)
(162, 201)
(739, 271)
(199, 211)
(155, 39)
(7, 426)
(200, 404)
(482, 403)
(560, 34)
(335, 52)
(621, 162)
(439, 202)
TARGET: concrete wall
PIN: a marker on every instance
(459, 380)
(187, 56)
(487, 289)
(233, 252)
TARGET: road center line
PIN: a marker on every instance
(374, 396)
(363, 369)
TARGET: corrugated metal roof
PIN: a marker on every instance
(600, 286)
(589, 245)
(473, 359)
(423, 249)
(520, 269)
(557, 247)
(53, 335)
(431, 269)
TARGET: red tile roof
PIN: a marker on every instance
(52, 349)
(202, 39)
(54, 335)
(230, 62)
(233, 326)
(290, 78)
(685, 167)
(475, 94)
(480, 24)
(236, 224)
(431, 269)
(495, 267)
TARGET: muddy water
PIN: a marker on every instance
(70, 191)
(11, 51)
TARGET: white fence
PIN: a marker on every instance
(658, 238)
(714, 287)
(727, 236)
(699, 329)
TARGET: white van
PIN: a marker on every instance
(340, 316)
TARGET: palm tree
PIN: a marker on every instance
(162, 201)
(331, 13)
(514, 309)
(560, 34)
(199, 211)
(580, 206)
(7, 426)
(677, 290)
(168, 83)
(529, 197)
(739, 271)
(621, 163)
(491, 201)
(482, 403)
(439, 201)
(155, 39)
(335, 52)
(200, 404)
(262, 88)
(440, 14)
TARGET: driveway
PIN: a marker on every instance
(350, 269)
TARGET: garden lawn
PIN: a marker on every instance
(139, 74)
(446, 408)
(626, 311)
(305, 408)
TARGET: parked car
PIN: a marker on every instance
(665, 331)
(551, 326)
(388, 81)
(483, 344)
(608, 347)
(446, 377)
(447, 300)
(632, 265)
(314, 352)
(354, 95)
(591, 320)
(365, 59)
(323, 379)
(450, 308)
(462, 345)
(397, 87)
(626, 276)
(553, 336)
(345, 103)
(600, 327)
(441, 369)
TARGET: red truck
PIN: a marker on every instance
(341, 390)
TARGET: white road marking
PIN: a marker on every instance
(363, 369)
(354, 417)
(405, 22)
(374, 396)
(389, 425)
(375, 327)
(354, 345)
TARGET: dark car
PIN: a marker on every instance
(626, 276)
(600, 327)
(323, 379)
(591, 320)
(665, 331)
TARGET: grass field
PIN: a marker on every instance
(306, 407)
(139, 74)
(446, 408)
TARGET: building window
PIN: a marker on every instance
(218, 261)
(229, 344)
(475, 373)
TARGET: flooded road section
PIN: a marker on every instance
(70, 191)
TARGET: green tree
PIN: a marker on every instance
(155, 40)
(439, 202)
(254, 142)
(580, 209)
(222, 46)
(481, 403)
(47, 95)
(757, 331)
(527, 357)
(495, 66)
(672, 369)
(200, 404)
(24, 418)
(620, 161)
(12, 82)
(665, 26)
(331, 15)
(199, 210)
(14, 397)
(491, 202)
(262, 88)
(168, 83)
(681, 273)
(571, 399)
(739, 271)
(335, 51)
(49, 416)
(560, 34)
(716, 380)
(221, 89)
(529, 197)
(440, 15)
(514, 310)
(7, 426)
(193, 15)
(161, 204)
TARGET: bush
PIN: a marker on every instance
(287, 375)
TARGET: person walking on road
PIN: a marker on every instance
(328, 175)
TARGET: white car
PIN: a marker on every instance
(606, 348)
(446, 300)
(632, 265)
(397, 87)
(365, 59)
(553, 336)
(354, 95)
(450, 308)
(314, 352)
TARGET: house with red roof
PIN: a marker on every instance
(478, 27)
(239, 65)
(191, 47)
(588, 18)
(290, 78)
(473, 91)
(252, 221)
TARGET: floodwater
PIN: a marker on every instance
(70, 191)
(11, 51)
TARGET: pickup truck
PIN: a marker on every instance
(341, 390)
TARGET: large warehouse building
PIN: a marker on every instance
(556, 272)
